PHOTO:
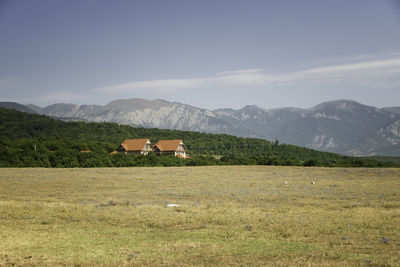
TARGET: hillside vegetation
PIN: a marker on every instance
(30, 140)
(340, 126)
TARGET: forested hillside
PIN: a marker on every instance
(341, 126)
(35, 140)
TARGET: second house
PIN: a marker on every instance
(170, 147)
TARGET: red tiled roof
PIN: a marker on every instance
(169, 145)
(134, 144)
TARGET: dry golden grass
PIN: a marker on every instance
(241, 215)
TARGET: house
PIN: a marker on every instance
(135, 146)
(170, 147)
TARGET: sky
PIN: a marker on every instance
(206, 53)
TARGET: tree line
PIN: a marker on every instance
(30, 140)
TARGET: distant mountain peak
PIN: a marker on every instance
(132, 104)
(17, 106)
(340, 104)
(252, 107)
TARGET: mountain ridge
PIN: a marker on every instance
(339, 126)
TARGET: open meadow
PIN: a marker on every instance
(229, 215)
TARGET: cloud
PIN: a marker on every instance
(153, 85)
(232, 78)
(239, 72)
(360, 66)
(375, 72)
(384, 73)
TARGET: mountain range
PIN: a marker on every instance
(340, 126)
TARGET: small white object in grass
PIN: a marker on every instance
(313, 182)
(285, 182)
(172, 205)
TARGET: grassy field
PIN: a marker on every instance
(240, 215)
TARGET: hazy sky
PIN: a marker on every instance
(207, 53)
